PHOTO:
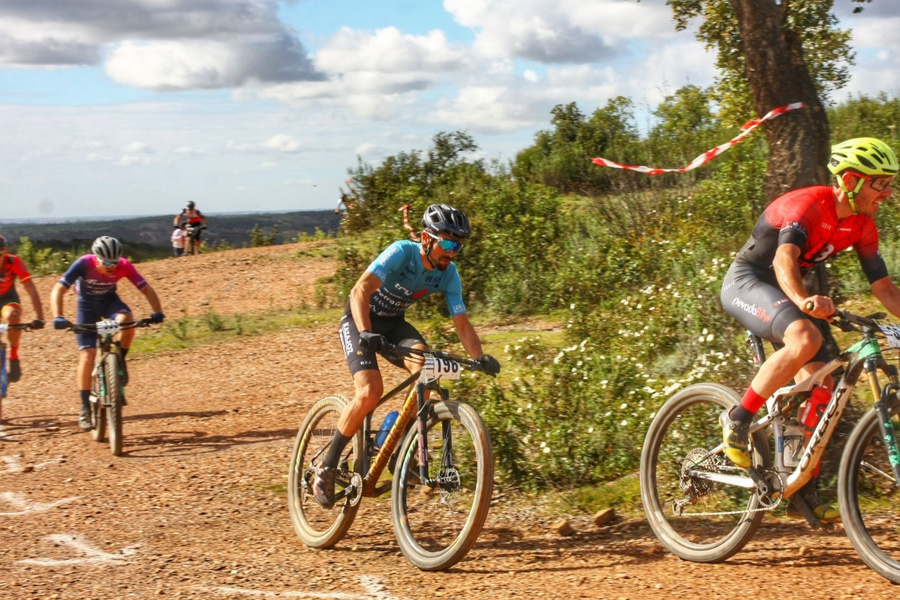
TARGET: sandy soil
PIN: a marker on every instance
(196, 507)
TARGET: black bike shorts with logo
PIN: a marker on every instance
(395, 329)
(752, 296)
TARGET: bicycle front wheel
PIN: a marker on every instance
(98, 410)
(868, 497)
(322, 527)
(112, 369)
(437, 526)
(697, 518)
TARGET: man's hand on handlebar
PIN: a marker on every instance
(488, 364)
(820, 307)
(61, 323)
(157, 317)
(373, 341)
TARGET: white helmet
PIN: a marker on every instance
(107, 248)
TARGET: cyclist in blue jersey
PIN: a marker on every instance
(404, 272)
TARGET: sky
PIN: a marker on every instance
(115, 108)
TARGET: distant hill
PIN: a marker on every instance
(155, 231)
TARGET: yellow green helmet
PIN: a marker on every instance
(868, 156)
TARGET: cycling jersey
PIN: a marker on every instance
(194, 217)
(404, 280)
(11, 268)
(807, 218)
(90, 283)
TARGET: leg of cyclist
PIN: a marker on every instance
(126, 336)
(12, 313)
(83, 381)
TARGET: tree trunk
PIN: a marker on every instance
(798, 141)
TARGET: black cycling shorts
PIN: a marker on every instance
(395, 329)
(91, 309)
(753, 297)
(10, 297)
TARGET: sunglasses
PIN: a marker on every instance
(880, 183)
(447, 245)
(108, 263)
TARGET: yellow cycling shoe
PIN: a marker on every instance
(736, 437)
(823, 512)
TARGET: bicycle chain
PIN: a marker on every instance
(733, 512)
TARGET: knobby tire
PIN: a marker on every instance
(436, 528)
(868, 497)
(112, 368)
(319, 527)
(688, 425)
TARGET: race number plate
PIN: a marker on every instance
(109, 326)
(4, 327)
(892, 333)
(441, 367)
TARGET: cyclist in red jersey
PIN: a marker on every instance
(11, 266)
(194, 218)
(764, 287)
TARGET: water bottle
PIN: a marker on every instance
(815, 406)
(389, 420)
(792, 443)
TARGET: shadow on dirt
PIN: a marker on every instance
(192, 442)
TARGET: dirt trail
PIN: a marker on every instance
(196, 506)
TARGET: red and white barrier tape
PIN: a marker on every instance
(707, 156)
(412, 232)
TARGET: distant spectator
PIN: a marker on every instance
(178, 236)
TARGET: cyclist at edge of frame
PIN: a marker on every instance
(764, 288)
(95, 277)
(193, 217)
(404, 272)
(11, 266)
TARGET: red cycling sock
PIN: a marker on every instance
(752, 401)
(13, 353)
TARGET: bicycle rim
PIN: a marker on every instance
(436, 528)
(111, 366)
(677, 443)
(868, 498)
(320, 527)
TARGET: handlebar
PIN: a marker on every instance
(4, 327)
(107, 325)
(394, 351)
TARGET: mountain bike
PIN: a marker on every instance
(440, 456)
(705, 509)
(191, 240)
(4, 376)
(108, 380)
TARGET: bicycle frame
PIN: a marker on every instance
(415, 406)
(866, 356)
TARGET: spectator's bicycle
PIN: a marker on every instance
(439, 453)
(4, 375)
(192, 238)
(705, 509)
(108, 380)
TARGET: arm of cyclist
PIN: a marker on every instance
(29, 286)
(472, 343)
(360, 297)
(56, 306)
(153, 299)
(888, 294)
(787, 271)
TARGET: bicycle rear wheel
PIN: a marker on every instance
(322, 527)
(436, 528)
(112, 368)
(695, 518)
(868, 498)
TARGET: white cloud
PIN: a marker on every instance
(282, 143)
